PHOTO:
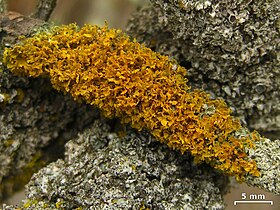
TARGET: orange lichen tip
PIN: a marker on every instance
(125, 79)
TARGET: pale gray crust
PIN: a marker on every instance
(103, 171)
(267, 156)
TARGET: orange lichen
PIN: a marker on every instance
(128, 80)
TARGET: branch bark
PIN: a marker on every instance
(13, 25)
(44, 9)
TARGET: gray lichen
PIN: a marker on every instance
(103, 171)
(32, 117)
(230, 48)
(267, 156)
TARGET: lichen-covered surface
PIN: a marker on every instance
(230, 48)
(35, 121)
(103, 171)
(127, 80)
(267, 156)
(33, 116)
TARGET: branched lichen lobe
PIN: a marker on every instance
(145, 89)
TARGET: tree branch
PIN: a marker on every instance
(44, 9)
(13, 25)
(3, 6)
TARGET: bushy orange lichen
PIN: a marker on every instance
(128, 80)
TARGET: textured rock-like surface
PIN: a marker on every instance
(104, 171)
(33, 116)
(230, 48)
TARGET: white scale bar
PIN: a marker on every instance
(269, 202)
